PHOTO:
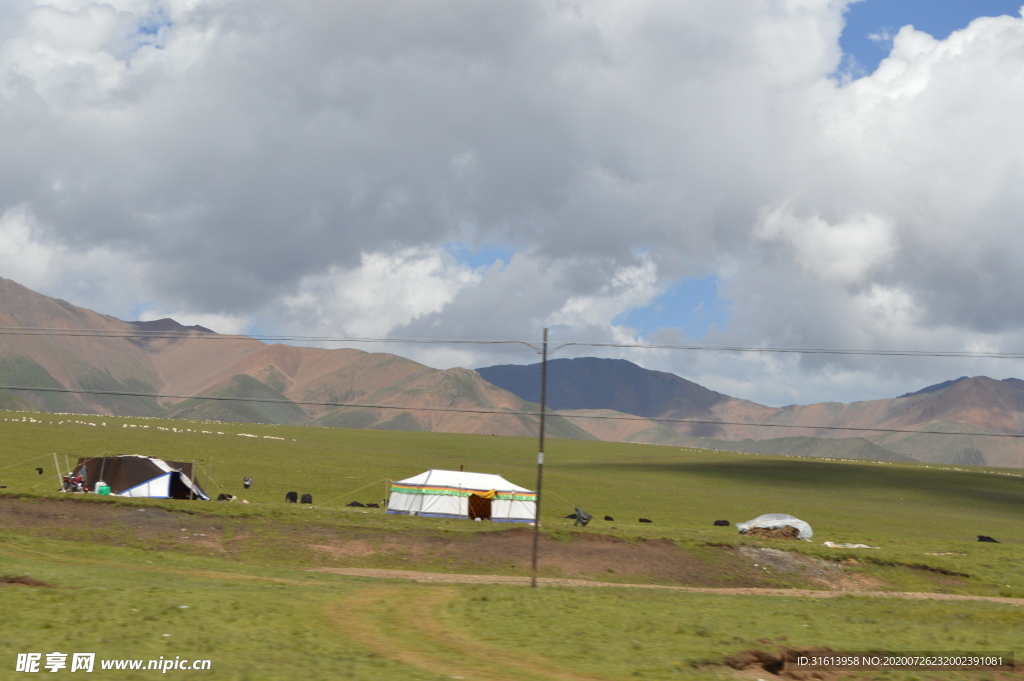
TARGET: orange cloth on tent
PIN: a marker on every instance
(485, 495)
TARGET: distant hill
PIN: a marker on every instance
(63, 370)
(168, 324)
(593, 383)
(273, 383)
(678, 412)
(935, 388)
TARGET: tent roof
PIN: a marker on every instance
(464, 480)
(130, 471)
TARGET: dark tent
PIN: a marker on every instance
(141, 476)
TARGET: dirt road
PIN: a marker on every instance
(442, 578)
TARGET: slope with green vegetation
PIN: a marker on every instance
(257, 403)
(256, 611)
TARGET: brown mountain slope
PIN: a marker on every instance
(199, 362)
(688, 414)
(287, 384)
(72, 361)
(978, 405)
(987, 404)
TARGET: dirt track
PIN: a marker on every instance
(413, 629)
(416, 628)
(443, 578)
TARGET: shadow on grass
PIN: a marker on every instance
(844, 479)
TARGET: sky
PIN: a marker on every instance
(755, 173)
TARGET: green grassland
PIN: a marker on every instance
(258, 615)
(258, 623)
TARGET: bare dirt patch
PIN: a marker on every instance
(355, 548)
(579, 556)
(582, 556)
(110, 523)
(825, 573)
(762, 662)
(23, 580)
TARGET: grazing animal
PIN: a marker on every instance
(355, 503)
(721, 523)
(39, 470)
(608, 517)
(373, 506)
(645, 520)
(247, 482)
(292, 497)
(982, 537)
(307, 499)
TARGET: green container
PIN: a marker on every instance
(103, 488)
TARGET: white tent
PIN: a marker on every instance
(458, 494)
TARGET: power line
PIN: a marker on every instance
(612, 417)
(803, 351)
(202, 335)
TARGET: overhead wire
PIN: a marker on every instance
(203, 335)
(206, 335)
(509, 412)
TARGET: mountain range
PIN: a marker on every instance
(595, 392)
(49, 343)
(77, 360)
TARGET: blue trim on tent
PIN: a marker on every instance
(165, 475)
(449, 515)
(427, 515)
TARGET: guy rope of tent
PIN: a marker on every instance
(35, 458)
(209, 476)
(342, 496)
(561, 497)
(24, 462)
(44, 481)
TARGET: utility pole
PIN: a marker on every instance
(540, 453)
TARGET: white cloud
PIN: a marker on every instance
(32, 256)
(629, 287)
(841, 253)
(385, 291)
(24, 257)
(301, 166)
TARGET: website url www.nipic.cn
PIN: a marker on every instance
(86, 662)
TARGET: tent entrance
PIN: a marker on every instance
(179, 489)
(480, 506)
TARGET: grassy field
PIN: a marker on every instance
(258, 615)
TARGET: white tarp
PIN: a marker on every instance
(773, 521)
(157, 488)
(160, 486)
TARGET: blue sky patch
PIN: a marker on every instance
(150, 27)
(692, 305)
(482, 256)
(882, 18)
